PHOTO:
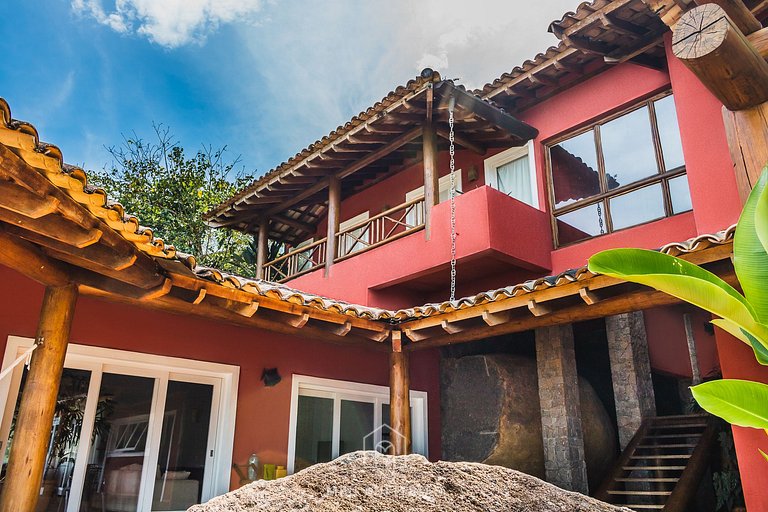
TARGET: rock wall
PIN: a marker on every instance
(491, 414)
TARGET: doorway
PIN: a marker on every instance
(131, 432)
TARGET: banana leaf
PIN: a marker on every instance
(739, 402)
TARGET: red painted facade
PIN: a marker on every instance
(501, 242)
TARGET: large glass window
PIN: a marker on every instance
(618, 173)
(331, 418)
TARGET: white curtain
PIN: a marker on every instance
(514, 179)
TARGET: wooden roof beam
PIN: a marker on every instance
(721, 57)
(462, 141)
(216, 310)
(295, 224)
(621, 25)
(739, 13)
(596, 16)
(29, 260)
(394, 145)
(54, 227)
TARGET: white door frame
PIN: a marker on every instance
(224, 379)
(346, 390)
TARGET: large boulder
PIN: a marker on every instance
(371, 482)
(491, 414)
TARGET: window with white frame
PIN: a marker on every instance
(144, 432)
(416, 215)
(330, 418)
(513, 172)
(356, 239)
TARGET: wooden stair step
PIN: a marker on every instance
(653, 468)
(679, 445)
(680, 425)
(641, 493)
(673, 436)
(643, 480)
(681, 417)
(652, 456)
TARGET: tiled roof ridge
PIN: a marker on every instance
(283, 292)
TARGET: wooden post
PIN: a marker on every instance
(712, 46)
(261, 254)
(334, 211)
(739, 13)
(399, 398)
(747, 132)
(692, 352)
(38, 401)
(431, 176)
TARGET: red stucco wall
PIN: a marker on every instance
(668, 345)
(489, 224)
(738, 362)
(262, 413)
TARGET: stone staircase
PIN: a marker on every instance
(662, 466)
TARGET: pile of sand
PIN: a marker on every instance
(369, 481)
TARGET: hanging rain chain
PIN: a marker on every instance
(600, 218)
(452, 152)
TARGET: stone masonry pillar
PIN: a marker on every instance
(561, 429)
(630, 372)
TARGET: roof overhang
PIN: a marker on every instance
(374, 145)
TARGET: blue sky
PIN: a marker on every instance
(263, 77)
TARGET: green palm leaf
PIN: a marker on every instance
(749, 254)
(761, 216)
(739, 402)
(680, 279)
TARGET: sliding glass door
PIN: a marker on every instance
(330, 418)
(126, 438)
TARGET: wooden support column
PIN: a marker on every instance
(38, 401)
(334, 212)
(712, 46)
(399, 398)
(747, 132)
(262, 247)
(711, 42)
(739, 13)
(431, 176)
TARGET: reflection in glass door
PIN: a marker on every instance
(118, 443)
(128, 437)
(64, 439)
(183, 446)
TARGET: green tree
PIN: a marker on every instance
(170, 191)
(745, 316)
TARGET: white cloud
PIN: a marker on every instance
(169, 23)
(315, 64)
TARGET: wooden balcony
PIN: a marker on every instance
(387, 226)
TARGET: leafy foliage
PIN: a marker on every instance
(170, 191)
(745, 316)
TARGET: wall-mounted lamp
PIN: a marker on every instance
(472, 173)
(271, 377)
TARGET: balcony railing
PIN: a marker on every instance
(373, 232)
(296, 262)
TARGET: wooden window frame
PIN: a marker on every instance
(603, 198)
